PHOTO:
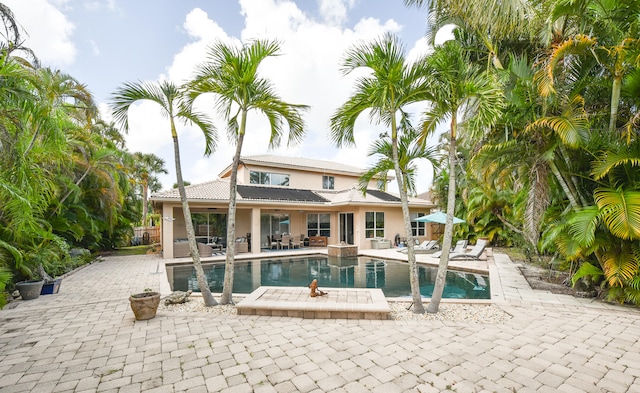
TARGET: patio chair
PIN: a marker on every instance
(205, 250)
(460, 247)
(272, 243)
(426, 247)
(295, 242)
(286, 241)
(474, 253)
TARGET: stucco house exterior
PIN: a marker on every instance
(315, 201)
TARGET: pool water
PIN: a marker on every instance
(361, 272)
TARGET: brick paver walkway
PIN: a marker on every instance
(85, 339)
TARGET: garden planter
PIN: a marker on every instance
(50, 288)
(144, 305)
(29, 289)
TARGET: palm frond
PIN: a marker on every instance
(620, 211)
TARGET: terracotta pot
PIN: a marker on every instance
(144, 305)
(29, 289)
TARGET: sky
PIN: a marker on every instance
(105, 43)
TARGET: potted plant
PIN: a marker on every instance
(47, 255)
(144, 304)
(30, 289)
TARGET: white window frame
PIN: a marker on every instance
(375, 230)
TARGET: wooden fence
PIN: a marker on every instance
(146, 235)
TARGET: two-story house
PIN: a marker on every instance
(286, 195)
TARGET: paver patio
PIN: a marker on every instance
(85, 339)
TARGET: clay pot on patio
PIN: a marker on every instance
(144, 304)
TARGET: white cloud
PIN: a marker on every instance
(204, 32)
(334, 12)
(54, 48)
(444, 34)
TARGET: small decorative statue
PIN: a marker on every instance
(177, 297)
(314, 289)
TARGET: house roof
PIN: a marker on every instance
(307, 164)
(218, 191)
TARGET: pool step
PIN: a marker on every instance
(338, 303)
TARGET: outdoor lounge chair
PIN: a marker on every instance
(205, 250)
(426, 247)
(460, 247)
(474, 253)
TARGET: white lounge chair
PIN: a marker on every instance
(426, 247)
(461, 246)
(474, 253)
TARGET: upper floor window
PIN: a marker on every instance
(273, 179)
(328, 182)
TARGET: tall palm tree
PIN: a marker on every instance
(408, 152)
(392, 84)
(231, 74)
(147, 165)
(458, 87)
(170, 99)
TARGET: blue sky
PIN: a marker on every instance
(104, 43)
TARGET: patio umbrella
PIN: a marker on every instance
(439, 218)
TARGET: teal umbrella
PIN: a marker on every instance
(439, 218)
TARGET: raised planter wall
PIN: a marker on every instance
(342, 251)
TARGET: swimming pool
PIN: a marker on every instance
(361, 272)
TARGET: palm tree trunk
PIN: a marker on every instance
(564, 185)
(227, 291)
(414, 280)
(537, 202)
(615, 102)
(207, 297)
(68, 194)
(145, 204)
(441, 275)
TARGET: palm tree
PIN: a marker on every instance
(392, 84)
(170, 99)
(408, 152)
(456, 85)
(231, 74)
(608, 30)
(146, 166)
(12, 40)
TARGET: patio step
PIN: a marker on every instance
(338, 303)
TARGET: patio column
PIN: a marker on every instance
(256, 240)
(166, 222)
